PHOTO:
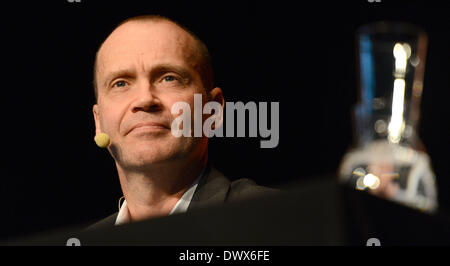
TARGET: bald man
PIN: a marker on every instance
(145, 65)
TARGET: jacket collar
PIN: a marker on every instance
(212, 189)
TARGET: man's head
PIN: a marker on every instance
(203, 60)
(145, 66)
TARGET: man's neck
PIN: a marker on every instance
(156, 191)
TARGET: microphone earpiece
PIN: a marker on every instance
(102, 140)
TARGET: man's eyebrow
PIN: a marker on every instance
(155, 71)
(118, 73)
(164, 68)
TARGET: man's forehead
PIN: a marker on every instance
(146, 38)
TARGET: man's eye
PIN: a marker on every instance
(169, 78)
(120, 84)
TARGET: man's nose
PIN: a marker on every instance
(145, 99)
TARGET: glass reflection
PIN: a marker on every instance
(387, 158)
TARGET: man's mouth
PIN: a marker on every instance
(148, 127)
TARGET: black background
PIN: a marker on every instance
(301, 55)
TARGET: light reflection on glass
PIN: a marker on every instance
(397, 124)
(385, 160)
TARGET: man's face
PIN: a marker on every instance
(143, 68)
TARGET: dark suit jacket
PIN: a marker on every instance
(213, 189)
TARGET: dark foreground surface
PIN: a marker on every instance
(318, 212)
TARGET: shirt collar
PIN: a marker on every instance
(180, 207)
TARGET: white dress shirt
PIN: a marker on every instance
(181, 205)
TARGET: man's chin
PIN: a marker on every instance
(152, 155)
(153, 152)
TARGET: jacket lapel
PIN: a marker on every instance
(212, 189)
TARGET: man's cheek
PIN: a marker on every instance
(109, 126)
(195, 103)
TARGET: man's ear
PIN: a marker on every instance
(96, 119)
(216, 95)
